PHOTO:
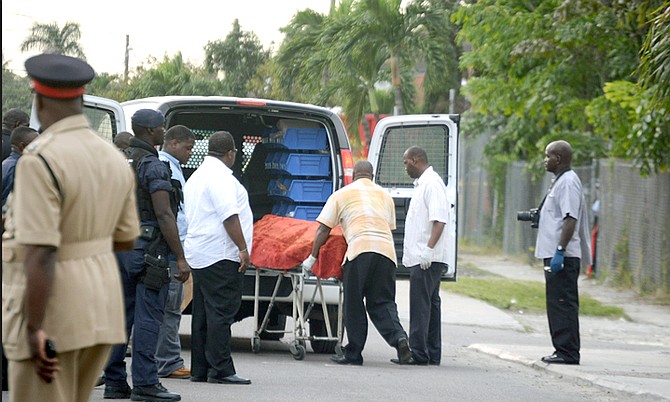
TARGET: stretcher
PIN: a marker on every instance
(280, 244)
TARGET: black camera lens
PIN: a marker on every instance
(523, 216)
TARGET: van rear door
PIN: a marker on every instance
(105, 115)
(438, 136)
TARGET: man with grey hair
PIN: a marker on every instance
(214, 200)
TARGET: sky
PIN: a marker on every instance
(155, 28)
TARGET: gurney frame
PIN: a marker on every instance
(302, 308)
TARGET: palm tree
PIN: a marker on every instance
(52, 39)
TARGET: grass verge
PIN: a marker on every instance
(523, 295)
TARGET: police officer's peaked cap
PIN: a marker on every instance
(148, 118)
(59, 76)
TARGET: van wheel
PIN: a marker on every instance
(318, 328)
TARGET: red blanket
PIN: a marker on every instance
(284, 243)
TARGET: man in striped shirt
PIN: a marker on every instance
(366, 214)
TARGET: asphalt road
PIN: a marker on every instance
(465, 373)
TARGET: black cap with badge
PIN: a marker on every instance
(59, 76)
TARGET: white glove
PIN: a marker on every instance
(308, 264)
(426, 258)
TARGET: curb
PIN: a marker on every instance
(581, 377)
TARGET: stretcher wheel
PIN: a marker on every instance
(299, 353)
(255, 345)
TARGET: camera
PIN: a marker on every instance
(532, 216)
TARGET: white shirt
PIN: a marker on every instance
(429, 203)
(211, 196)
(565, 198)
(177, 174)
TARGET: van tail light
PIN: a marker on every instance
(348, 165)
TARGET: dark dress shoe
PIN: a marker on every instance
(344, 360)
(410, 362)
(231, 379)
(117, 392)
(156, 392)
(556, 359)
(198, 379)
(404, 352)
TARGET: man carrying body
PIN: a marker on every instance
(71, 209)
(366, 214)
(562, 241)
(176, 150)
(146, 275)
(218, 245)
(425, 255)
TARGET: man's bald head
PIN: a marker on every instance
(122, 140)
(562, 149)
(363, 170)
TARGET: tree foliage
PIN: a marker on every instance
(238, 57)
(343, 58)
(15, 90)
(51, 38)
(542, 68)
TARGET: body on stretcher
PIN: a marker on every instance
(314, 302)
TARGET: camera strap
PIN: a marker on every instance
(550, 187)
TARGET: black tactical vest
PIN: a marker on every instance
(137, 151)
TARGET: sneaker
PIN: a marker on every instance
(182, 373)
(404, 352)
(117, 392)
(156, 392)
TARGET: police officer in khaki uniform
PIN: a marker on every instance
(73, 206)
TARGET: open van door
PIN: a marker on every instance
(105, 115)
(438, 136)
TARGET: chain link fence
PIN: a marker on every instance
(633, 243)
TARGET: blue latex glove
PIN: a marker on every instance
(557, 261)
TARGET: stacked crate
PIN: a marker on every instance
(301, 169)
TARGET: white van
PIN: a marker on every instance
(256, 124)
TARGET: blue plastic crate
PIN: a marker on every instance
(301, 190)
(305, 212)
(298, 164)
(296, 138)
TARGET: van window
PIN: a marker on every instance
(102, 121)
(433, 139)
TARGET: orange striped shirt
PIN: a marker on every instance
(366, 214)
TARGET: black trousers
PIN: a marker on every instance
(217, 296)
(563, 308)
(370, 276)
(425, 313)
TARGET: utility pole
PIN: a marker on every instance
(125, 71)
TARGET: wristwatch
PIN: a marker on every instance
(560, 248)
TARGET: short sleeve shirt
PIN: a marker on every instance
(366, 214)
(429, 203)
(211, 196)
(564, 199)
(80, 204)
(177, 174)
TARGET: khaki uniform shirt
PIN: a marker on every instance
(81, 203)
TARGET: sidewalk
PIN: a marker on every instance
(629, 356)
